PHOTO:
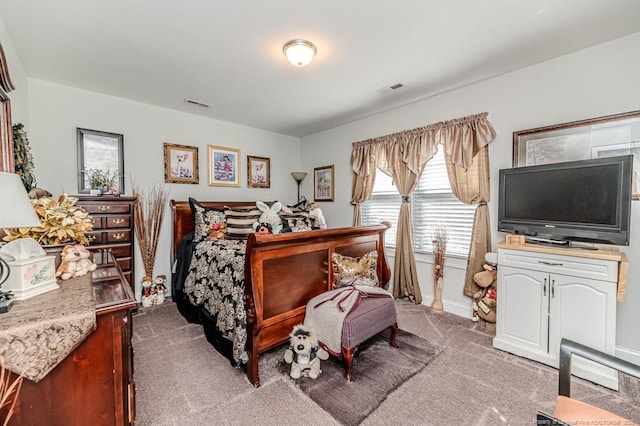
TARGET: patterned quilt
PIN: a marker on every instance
(216, 281)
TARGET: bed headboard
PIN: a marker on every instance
(182, 221)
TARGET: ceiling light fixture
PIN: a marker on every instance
(299, 52)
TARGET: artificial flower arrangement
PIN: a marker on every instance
(61, 221)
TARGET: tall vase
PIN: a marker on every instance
(436, 305)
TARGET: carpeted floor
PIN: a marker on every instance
(180, 380)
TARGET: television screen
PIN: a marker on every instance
(588, 200)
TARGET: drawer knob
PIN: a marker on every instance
(118, 236)
(118, 221)
(103, 208)
(550, 263)
(104, 273)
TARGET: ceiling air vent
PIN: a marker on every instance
(196, 103)
(388, 89)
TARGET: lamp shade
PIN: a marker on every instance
(299, 52)
(16, 210)
(298, 176)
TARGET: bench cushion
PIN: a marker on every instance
(369, 318)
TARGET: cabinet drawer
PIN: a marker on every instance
(98, 222)
(119, 236)
(121, 251)
(124, 263)
(596, 269)
(95, 238)
(106, 208)
(117, 221)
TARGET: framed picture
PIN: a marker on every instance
(100, 153)
(180, 163)
(323, 183)
(224, 166)
(610, 135)
(258, 173)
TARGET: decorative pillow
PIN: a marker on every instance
(240, 221)
(203, 219)
(297, 221)
(355, 271)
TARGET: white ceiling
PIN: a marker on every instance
(228, 54)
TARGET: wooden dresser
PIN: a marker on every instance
(113, 229)
(94, 384)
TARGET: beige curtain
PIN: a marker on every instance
(471, 186)
(6, 132)
(403, 156)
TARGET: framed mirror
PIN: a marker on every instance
(100, 162)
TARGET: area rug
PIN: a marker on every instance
(378, 369)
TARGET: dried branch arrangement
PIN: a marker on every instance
(439, 240)
(148, 214)
(8, 392)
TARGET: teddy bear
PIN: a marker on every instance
(269, 216)
(485, 299)
(74, 262)
(304, 353)
(262, 228)
(216, 231)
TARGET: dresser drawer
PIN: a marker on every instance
(121, 251)
(118, 221)
(108, 207)
(99, 222)
(124, 263)
(119, 236)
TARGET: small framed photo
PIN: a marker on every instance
(258, 173)
(224, 166)
(180, 163)
(323, 189)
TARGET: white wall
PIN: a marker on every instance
(598, 81)
(55, 111)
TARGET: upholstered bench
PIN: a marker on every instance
(372, 316)
(360, 315)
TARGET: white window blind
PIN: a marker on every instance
(432, 204)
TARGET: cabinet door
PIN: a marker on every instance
(523, 308)
(582, 310)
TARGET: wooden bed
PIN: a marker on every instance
(282, 272)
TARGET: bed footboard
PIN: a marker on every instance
(283, 272)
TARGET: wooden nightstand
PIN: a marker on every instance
(94, 384)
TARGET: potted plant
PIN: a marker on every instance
(101, 181)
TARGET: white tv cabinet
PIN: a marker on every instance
(547, 293)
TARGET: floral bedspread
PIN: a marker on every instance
(216, 281)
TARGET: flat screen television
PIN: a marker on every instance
(583, 201)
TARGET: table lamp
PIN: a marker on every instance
(16, 211)
(298, 176)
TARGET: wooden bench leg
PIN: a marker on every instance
(347, 356)
(394, 334)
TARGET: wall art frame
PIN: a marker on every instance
(616, 134)
(180, 163)
(224, 166)
(99, 150)
(258, 172)
(323, 183)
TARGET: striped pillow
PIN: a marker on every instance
(240, 221)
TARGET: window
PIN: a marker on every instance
(432, 204)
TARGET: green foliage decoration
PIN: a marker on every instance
(22, 157)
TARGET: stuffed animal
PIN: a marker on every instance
(269, 216)
(74, 262)
(216, 231)
(262, 228)
(147, 296)
(304, 353)
(316, 213)
(485, 299)
(158, 288)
